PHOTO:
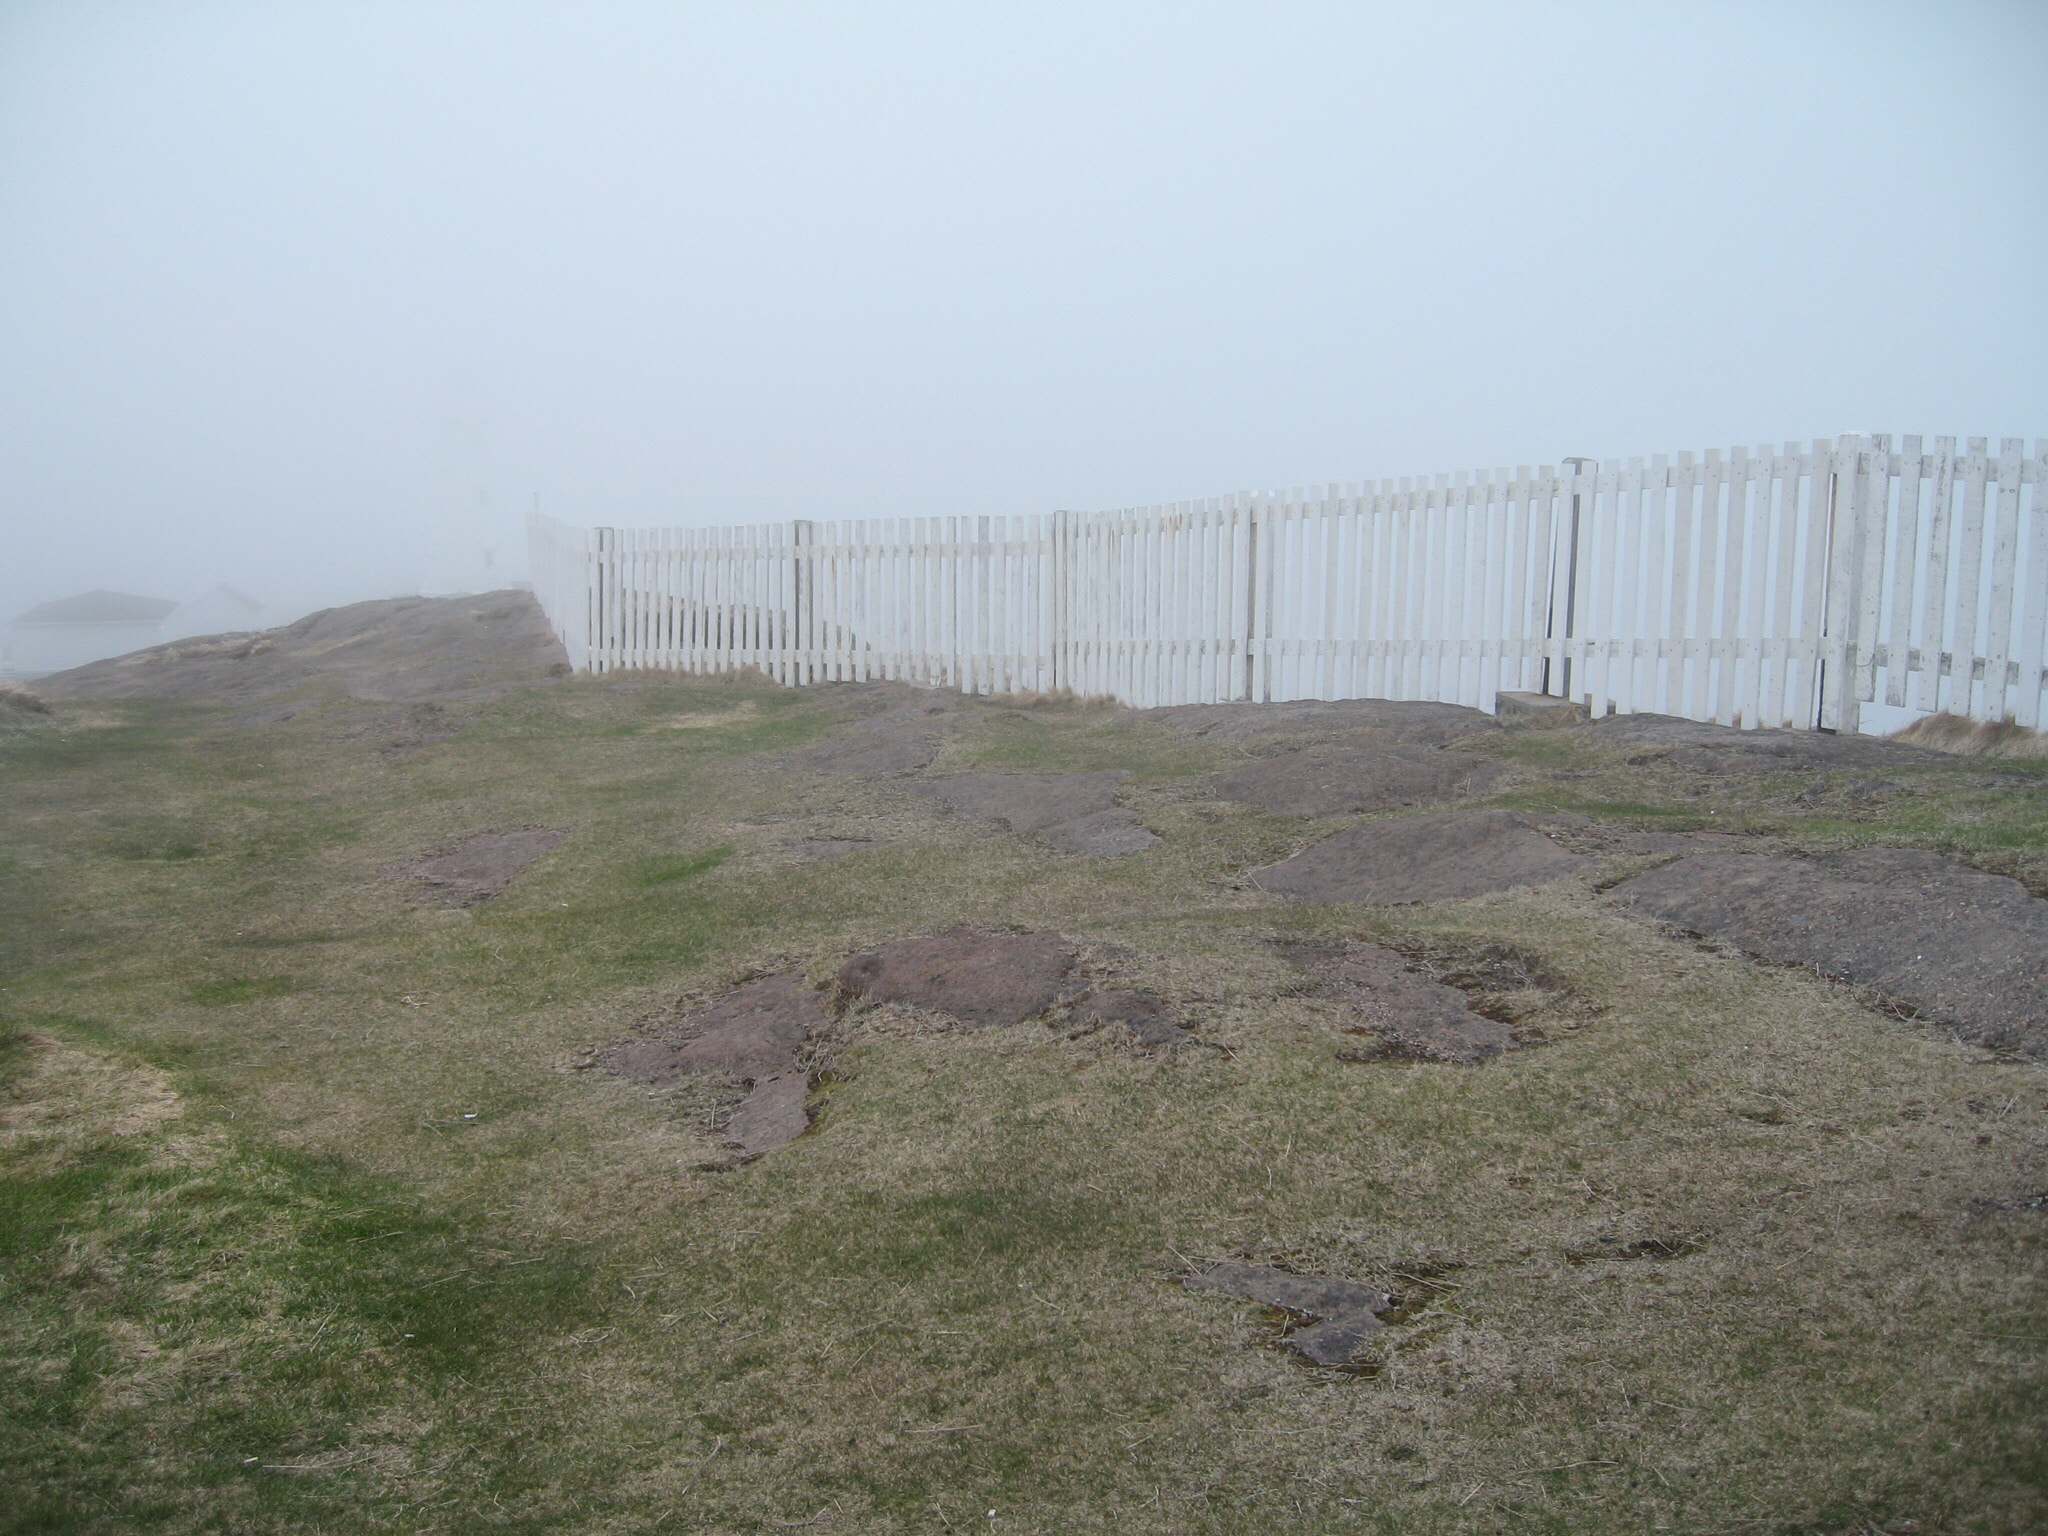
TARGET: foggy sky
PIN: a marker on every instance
(316, 300)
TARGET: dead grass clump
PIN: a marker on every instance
(1965, 737)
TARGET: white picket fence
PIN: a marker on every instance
(1774, 586)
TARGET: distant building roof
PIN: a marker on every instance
(99, 607)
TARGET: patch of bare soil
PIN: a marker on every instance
(398, 650)
(982, 979)
(1363, 774)
(1073, 812)
(752, 1034)
(1442, 856)
(1699, 747)
(1413, 1015)
(480, 867)
(1952, 943)
(1144, 1014)
(1391, 720)
(1348, 1311)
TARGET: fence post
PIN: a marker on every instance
(1254, 610)
(1840, 601)
(799, 630)
(1056, 562)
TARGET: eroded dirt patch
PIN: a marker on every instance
(982, 979)
(1443, 856)
(1365, 775)
(1074, 812)
(1953, 943)
(480, 867)
(1410, 1013)
(1347, 1311)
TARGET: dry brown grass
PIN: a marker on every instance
(1945, 732)
(1721, 1248)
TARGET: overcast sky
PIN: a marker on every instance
(317, 299)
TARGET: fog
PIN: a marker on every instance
(319, 300)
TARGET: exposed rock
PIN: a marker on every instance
(1391, 720)
(1074, 812)
(1439, 857)
(1414, 1015)
(771, 1114)
(1144, 1014)
(1349, 1310)
(1953, 943)
(399, 649)
(480, 867)
(1359, 775)
(982, 979)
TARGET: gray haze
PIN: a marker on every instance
(316, 300)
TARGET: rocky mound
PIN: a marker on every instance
(1443, 856)
(1073, 812)
(1955, 944)
(397, 650)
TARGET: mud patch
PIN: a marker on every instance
(480, 867)
(982, 979)
(1073, 812)
(1362, 776)
(1347, 1312)
(1443, 856)
(1412, 1015)
(1144, 1015)
(1952, 943)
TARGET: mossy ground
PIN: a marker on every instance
(307, 1224)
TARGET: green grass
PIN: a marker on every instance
(308, 1221)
